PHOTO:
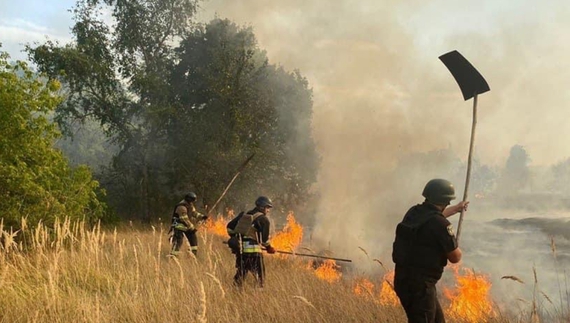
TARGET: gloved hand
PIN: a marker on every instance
(205, 217)
(270, 249)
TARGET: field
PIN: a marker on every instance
(77, 274)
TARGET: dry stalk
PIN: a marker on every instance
(363, 250)
(201, 317)
(304, 300)
(381, 264)
(515, 278)
(217, 281)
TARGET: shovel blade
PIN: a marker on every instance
(470, 81)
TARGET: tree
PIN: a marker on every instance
(515, 176)
(231, 102)
(185, 103)
(118, 75)
(36, 181)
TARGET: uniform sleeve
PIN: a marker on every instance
(194, 214)
(444, 234)
(262, 225)
(182, 212)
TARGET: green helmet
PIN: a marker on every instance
(439, 191)
(263, 201)
(190, 197)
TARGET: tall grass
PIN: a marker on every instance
(72, 273)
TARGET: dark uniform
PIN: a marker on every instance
(185, 220)
(424, 238)
(248, 247)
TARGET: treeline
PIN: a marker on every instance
(36, 181)
(181, 105)
(515, 184)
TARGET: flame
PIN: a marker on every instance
(290, 237)
(469, 301)
(387, 294)
(328, 271)
(218, 226)
(364, 287)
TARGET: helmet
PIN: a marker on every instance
(263, 201)
(439, 191)
(190, 197)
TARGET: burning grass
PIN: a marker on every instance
(71, 273)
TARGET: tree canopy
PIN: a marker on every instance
(186, 103)
(36, 182)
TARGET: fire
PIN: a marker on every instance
(470, 301)
(364, 287)
(387, 294)
(218, 226)
(290, 237)
(328, 271)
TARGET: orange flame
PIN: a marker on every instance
(327, 271)
(290, 237)
(387, 294)
(364, 287)
(470, 301)
(218, 226)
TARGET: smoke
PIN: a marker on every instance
(384, 102)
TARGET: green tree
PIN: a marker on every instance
(36, 181)
(185, 103)
(231, 102)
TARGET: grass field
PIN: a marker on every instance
(77, 274)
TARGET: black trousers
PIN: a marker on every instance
(253, 263)
(418, 296)
(178, 240)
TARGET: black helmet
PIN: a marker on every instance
(190, 197)
(263, 201)
(439, 191)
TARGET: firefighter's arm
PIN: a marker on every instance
(454, 209)
(182, 212)
(197, 215)
(454, 256)
(263, 229)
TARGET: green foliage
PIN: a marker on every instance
(185, 103)
(230, 103)
(35, 179)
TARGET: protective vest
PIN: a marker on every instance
(191, 211)
(245, 226)
(409, 251)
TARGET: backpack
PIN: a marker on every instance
(406, 235)
(245, 228)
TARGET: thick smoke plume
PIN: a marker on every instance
(384, 104)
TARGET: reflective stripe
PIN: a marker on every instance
(181, 227)
(231, 231)
(249, 247)
(194, 248)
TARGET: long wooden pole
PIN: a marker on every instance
(469, 162)
(240, 169)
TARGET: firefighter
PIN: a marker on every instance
(424, 243)
(185, 221)
(249, 233)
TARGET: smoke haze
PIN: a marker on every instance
(381, 96)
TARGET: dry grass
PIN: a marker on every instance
(74, 274)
